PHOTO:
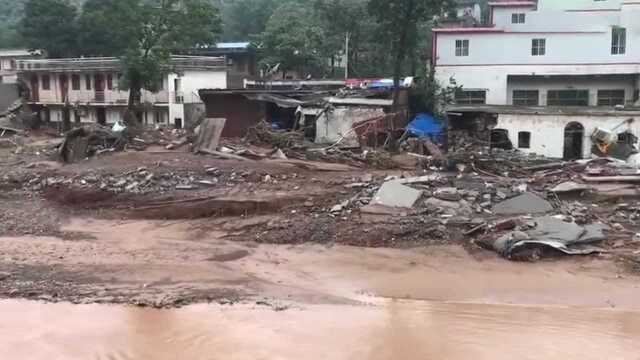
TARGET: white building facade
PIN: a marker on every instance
(545, 53)
(8, 63)
(86, 90)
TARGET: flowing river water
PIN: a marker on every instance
(388, 329)
(340, 302)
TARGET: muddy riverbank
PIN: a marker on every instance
(176, 263)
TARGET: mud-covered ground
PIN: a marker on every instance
(165, 229)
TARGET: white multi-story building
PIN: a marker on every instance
(545, 52)
(85, 90)
(8, 63)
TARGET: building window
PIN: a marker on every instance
(471, 97)
(538, 47)
(110, 81)
(462, 47)
(526, 97)
(524, 140)
(46, 82)
(518, 18)
(87, 79)
(610, 97)
(618, 41)
(75, 82)
(568, 98)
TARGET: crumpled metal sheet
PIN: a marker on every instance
(551, 232)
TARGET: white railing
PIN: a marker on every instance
(109, 63)
(101, 97)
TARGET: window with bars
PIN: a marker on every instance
(518, 18)
(610, 97)
(568, 98)
(526, 97)
(462, 47)
(538, 47)
(471, 97)
(618, 41)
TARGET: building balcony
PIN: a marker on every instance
(72, 65)
(107, 97)
(114, 64)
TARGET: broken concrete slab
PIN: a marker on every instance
(568, 187)
(527, 203)
(420, 179)
(449, 194)
(209, 135)
(395, 194)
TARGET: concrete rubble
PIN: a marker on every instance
(526, 203)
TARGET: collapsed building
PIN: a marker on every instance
(567, 133)
(324, 112)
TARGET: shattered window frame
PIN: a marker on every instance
(471, 97)
(569, 97)
(462, 47)
(526, 97)
(538, 47)
(611, 97)
(618, 41)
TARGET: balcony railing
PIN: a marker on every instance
(108, 63)
(101, 97)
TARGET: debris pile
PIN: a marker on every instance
(88, 141)
(264, 134)
(140, 181)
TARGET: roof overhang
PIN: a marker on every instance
(513, 4)
(470, 30)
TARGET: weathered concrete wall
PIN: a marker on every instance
(8, 95)
(333, 125)
(547, 131)
(193, 113)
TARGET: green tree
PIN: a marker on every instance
(108, 27)
(50, 25)
(400, 19)
(344, 19)
(143, 33)
(246, 19)
(294, 40)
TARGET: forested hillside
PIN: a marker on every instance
(10, 13)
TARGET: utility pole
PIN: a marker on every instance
(346, 55)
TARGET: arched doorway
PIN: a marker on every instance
(573, 141)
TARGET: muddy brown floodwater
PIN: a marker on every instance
(306, 301)
(385, 330)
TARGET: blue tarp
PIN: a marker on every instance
(425, 125)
